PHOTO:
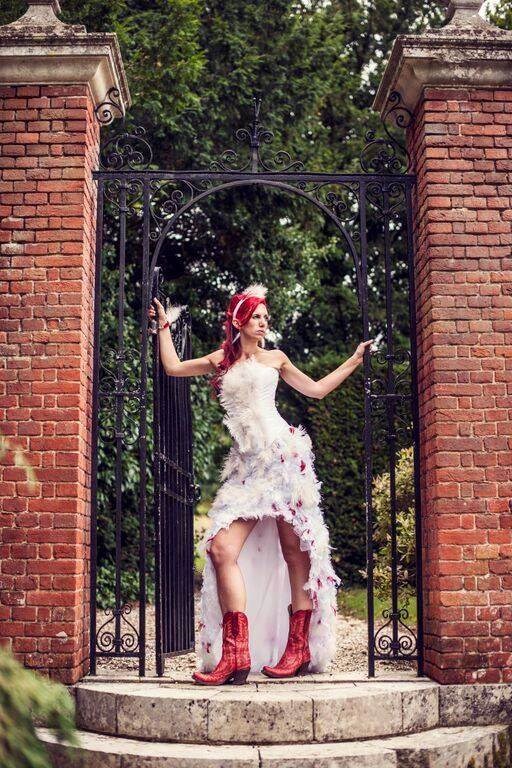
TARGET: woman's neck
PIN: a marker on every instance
(248, 351)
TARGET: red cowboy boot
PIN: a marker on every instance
(296, 657)
(235, 662)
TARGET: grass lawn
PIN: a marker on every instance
(352, 602)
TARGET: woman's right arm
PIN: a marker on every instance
(171, 363)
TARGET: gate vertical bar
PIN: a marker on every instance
(390, 418)
(94, 430)
(119, 410)
(143, 431)
(193, 496)
(367, 427)
(179, 505)
(157, 485)
(167, 528)
(416, 428)
(173, 490)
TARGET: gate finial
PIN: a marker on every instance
(255, 135)
(255, 141)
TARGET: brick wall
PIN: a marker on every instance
(462, 143)
(49, 141)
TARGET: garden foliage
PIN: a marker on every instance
(27, 698)
(193, 69)
(405, 528)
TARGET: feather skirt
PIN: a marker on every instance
(276, 481)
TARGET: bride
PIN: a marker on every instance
(268, 597)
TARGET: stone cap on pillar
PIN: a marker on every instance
(467, 51)
(39, 49)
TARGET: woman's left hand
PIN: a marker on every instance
(359, 353)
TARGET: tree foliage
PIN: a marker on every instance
(193, 67)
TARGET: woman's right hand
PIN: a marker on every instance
(162, 317)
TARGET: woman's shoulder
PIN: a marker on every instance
(216, 358)
(273, 357)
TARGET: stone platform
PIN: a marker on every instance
(320, 720)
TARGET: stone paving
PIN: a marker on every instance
(338, 719)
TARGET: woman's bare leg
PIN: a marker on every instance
(224, 550)
(298, 563)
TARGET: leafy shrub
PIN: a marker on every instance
(405, 528)
(106, 580)
(26, 698)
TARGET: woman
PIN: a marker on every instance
(268, 565)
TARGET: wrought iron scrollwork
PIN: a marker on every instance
(111, 103)
(113, 640)
(395, 645)
(388, 199)
(116, 377)
(119, 381)
(169, 198)
(400, 392)
(125, 195)
(255, 136)
(127, 151)
(387, 155)
(341, 198)
(388, 642)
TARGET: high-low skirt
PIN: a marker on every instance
(279, 481)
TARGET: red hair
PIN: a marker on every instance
(232, 348)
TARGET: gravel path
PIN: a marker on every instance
(351, 648)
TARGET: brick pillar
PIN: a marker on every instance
(51, 78)
(458, 82)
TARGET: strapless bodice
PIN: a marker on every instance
(248, 394)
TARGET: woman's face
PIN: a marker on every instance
(257, 325)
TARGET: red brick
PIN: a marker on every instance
(462, 290)
(47, 231)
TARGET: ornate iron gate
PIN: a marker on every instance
(174, 497)
(150, 202)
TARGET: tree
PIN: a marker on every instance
(193, 69)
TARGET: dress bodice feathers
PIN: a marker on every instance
(248, 396)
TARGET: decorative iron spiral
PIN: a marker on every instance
(127, 642)
(385, 645)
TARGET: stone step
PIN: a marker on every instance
(258, 713)
(461, 747)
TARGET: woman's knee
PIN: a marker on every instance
(293, 555)
(222, 551)
(290, 544)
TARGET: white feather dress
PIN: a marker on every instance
(268, 472)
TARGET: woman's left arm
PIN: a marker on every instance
(319, 389)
